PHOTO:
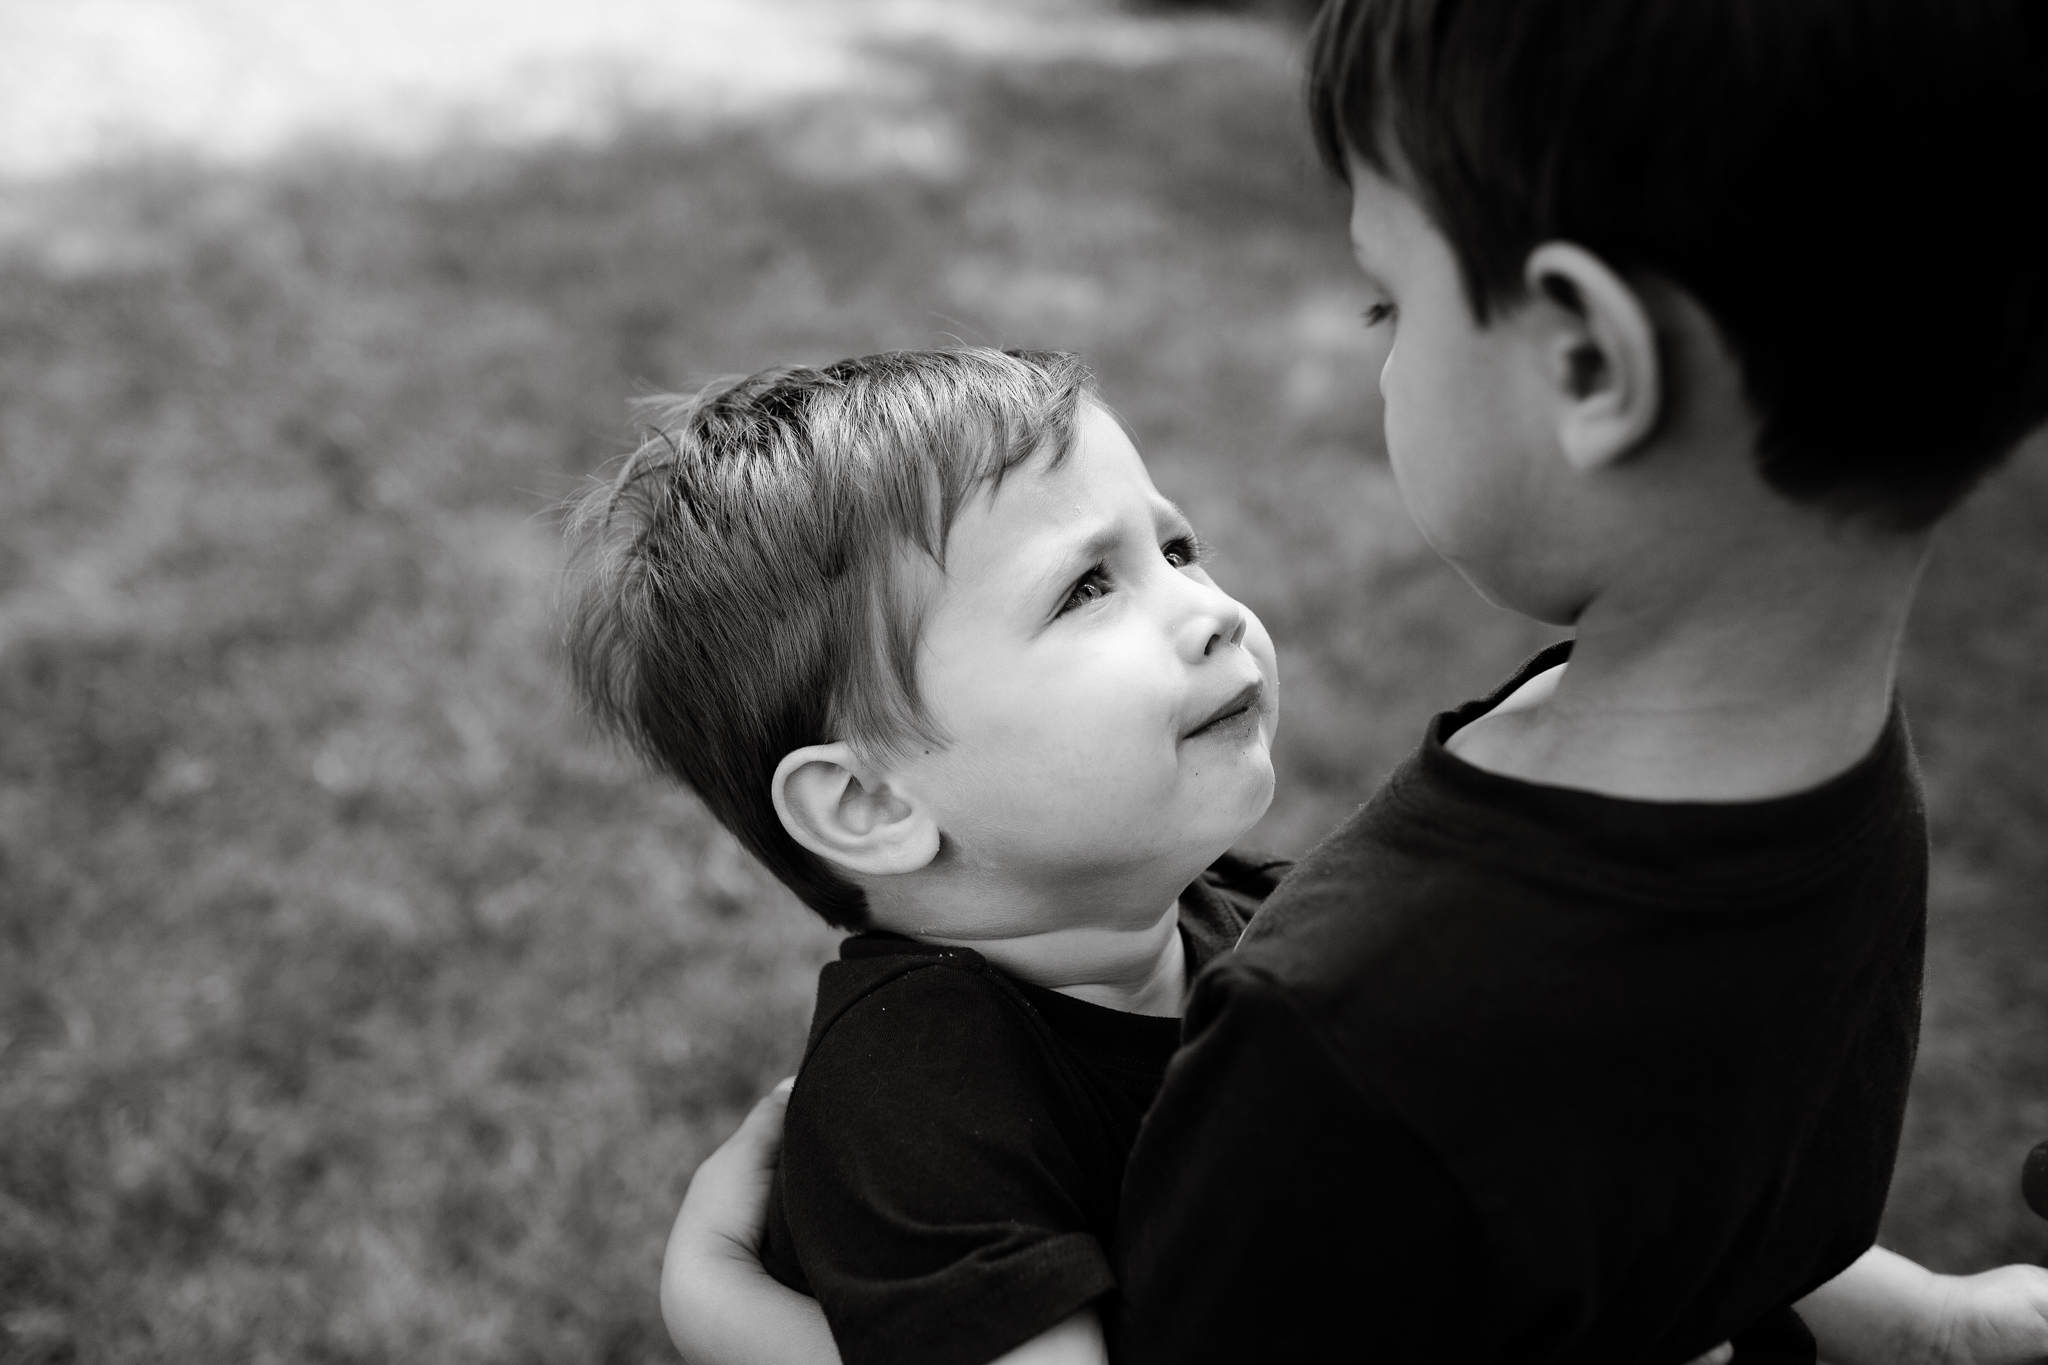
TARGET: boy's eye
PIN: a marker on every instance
(1184, 552)
(1092, 586)
(1379, 313)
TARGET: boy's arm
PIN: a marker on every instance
(723, 1308)
(1886, 1310)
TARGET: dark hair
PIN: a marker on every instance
(1852, 188)
(740, 587)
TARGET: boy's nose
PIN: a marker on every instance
(1219, 620)
(1228, 632)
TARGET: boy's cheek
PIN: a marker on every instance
(1399, 422)
(1410, 467)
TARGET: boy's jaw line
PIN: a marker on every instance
(1111, 941)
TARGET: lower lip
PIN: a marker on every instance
(1232, 725)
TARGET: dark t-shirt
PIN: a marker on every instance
(1516, 1073)
(956, 1141)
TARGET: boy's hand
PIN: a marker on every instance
(725, 1210)
(1997, 1318)
(720, 1306)
(1885, 1310)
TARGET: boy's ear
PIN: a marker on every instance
(1602, 356)
(841, 808)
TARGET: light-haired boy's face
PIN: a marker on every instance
(1466, 417)
(1109, 710)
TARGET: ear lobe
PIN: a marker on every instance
(1604, 359)
(842, 808)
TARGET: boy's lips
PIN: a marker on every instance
(1245, 701)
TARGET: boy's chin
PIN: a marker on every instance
(1233, 824)
(1502, 588)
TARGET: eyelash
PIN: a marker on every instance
(1379, 313)
(1191, 550)
(1187, 548)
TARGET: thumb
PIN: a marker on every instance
(758, 1140)
(726, 1203)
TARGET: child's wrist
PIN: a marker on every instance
(1930, 1323)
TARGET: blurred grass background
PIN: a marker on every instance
(357, 1005)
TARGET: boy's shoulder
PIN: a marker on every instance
(899, 1021)
(931, 1193)
(935, 1036)
(1489, 881)
(912, 1006)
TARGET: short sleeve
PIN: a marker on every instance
(933, 1200)
(1274, 1213)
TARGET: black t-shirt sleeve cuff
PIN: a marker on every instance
(972, 1319)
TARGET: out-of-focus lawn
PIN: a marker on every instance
(355, 1004)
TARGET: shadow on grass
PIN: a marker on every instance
(356, 1004)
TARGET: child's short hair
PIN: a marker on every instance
(1852, 188)
(741, 591)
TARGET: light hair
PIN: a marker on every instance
(739, 591)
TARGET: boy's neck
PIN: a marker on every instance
(1762, 681)
(1138, 971)
(1133, 962)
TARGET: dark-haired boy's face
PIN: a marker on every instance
(1466, 416)
(1108, 709)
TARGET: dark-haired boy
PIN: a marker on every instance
(1588, 1038)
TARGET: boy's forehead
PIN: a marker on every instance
(1041, 510)
(1384, 216)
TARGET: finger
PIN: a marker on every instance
(751, 1152)
(727, 1194)
(760, 1132)
(1720, 1355)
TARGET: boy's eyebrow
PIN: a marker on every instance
(1098, 543)
(1367, 262)
(1077, 557)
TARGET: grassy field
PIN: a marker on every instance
(355, 1003)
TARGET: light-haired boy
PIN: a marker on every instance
(922, 634)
